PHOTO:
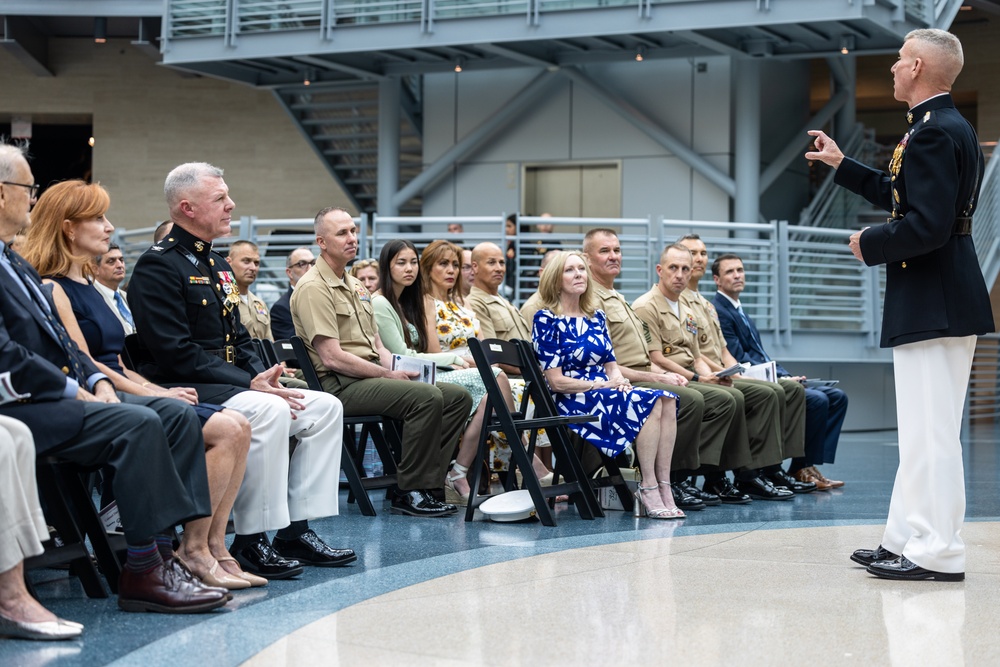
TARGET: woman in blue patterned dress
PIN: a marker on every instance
(574, 349)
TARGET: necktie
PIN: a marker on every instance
(55, 327)
(753, 332)
(123, 309)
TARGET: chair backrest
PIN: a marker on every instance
(531, 370)
(132, 353)
(292, 351)
(264, 350)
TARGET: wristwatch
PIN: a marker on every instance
(695, 377)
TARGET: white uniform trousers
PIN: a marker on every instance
(277, 489)
(22, 526)
(928, 497)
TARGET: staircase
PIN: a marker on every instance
(341, 124)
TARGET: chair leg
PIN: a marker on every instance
(519, 458)
(350, 468)
(107, 560)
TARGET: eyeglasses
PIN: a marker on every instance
(303, 263)
(33, 188)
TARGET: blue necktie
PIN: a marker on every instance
(123, 309)
(753, 332)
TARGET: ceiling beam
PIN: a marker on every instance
(28, 46)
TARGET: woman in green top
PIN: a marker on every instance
(399, 314)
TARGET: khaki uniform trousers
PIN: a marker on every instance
(433, 417)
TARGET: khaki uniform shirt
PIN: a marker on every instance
(710, 338)
(254, 316)
(528, 310)
(323, 304)
(675, 336)
(630, 336)
(498, 318)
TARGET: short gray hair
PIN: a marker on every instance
(186, 176)
(9, 152)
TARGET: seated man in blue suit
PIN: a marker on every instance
(826, 407)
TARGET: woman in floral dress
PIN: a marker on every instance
(574, 349)
(448, 326)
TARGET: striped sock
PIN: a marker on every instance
(143, 558)
(165, 543)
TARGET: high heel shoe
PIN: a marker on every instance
(451, 494)
(218, 577)
(254, 580)
(639, 508)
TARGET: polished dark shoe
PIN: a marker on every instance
(782, 478)
(726, 492)
(868, 556)
(759, 488)
(168, 591)
(308, 549)
(684, 500)
(905, 570)
(419, 503)
(260, 558)
(710, 499)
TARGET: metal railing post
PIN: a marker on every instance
(782, 282)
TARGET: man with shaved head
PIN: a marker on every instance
(936, 303)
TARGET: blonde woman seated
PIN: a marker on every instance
(367, 271)
(574, 349)
(69, 229)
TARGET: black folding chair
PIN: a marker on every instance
(384, 432)
(265, 351)
(70, 509)
(545, 405)
(513, 424)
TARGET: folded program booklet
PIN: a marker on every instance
(426, 370)
(732, 370)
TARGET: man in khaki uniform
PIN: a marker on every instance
(791, 394)
(706, 413)
(333, 315)
(498, 318)
(676, 348)
(244, 257)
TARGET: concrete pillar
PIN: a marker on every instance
(847, 116)
(747, 140)
(388, 145)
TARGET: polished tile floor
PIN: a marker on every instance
(762, 584)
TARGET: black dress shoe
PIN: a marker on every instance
(684, 500)
(709, 499)
(905, 570)
(308, 549)
(726, 492)
(259, 557)
(782, 478)
(419, 503)
(868, 556)
(759, 488)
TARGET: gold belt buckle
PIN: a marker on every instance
(230, 354)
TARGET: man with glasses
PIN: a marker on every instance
(297, 263)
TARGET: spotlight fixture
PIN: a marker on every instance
(458, 65)
(91, 142)
(309, 76)
(100, 30)
(846, 44)
(640, 53)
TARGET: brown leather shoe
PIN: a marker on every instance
(804, 475)
(167, 591)
(818, 475)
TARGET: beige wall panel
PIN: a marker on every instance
(148, 118)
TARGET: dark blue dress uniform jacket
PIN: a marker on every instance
(934, 286)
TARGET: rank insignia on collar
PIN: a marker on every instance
(927, 116)
(199, 246)
(909, 117)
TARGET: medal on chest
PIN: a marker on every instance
(691, 325)
(228, 284)
(896, 163)
(362, 292)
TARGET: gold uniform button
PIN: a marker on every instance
(204, 302)
(65, 370)
(211, 261)
(903, 265)
(227, 338)
(218, 287)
